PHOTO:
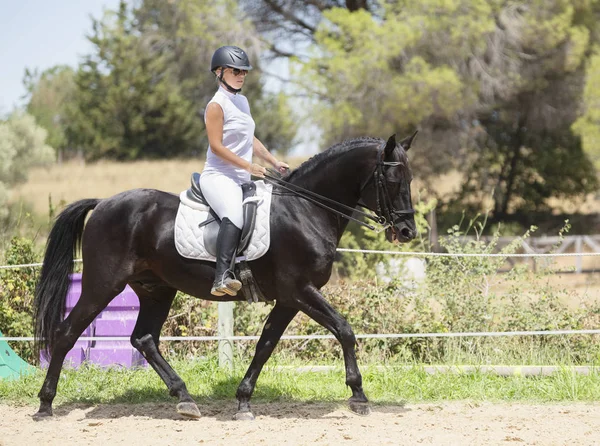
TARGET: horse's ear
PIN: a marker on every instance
(406, 142)
(390, 145)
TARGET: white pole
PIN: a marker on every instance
(226, 331)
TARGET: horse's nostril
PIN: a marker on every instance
(406, 233)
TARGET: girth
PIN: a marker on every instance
(213, 222)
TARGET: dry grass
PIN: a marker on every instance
(449, 184)
(75, 180)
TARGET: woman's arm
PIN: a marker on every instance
(261, 151)
(214, 130)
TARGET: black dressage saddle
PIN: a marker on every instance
(213, 222)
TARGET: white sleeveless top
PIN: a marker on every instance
(238, 135)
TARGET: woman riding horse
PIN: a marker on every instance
(129, 239)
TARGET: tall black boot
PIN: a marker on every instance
(227, 243)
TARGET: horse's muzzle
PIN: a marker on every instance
(400, 233)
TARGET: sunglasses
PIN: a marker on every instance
(237, 72)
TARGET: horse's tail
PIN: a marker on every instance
(53, 285)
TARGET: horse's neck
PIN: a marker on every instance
(339, 178)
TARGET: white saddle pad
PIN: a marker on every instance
(189, 238)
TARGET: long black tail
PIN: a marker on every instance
(53, 285)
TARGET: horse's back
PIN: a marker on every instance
(138, 200)
(132, 214)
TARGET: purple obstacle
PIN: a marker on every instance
(117, 319)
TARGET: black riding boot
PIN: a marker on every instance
(227, 243)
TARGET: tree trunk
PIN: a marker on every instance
(512, 172)
(355, 5)
(501, 208)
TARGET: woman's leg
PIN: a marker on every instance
(225, 197)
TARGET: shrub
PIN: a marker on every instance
(22, 146)
(459, 294)
(354, 265)
(17, 287)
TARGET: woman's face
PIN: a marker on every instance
(234, 77)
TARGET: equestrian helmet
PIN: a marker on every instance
(230, 56)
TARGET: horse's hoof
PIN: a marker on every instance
(42, 415)
(243, 416)
(360, 408)
(189, 410)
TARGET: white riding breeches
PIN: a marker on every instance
(224, 196)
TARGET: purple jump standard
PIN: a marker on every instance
(117, 319)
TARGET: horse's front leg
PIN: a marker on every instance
(312, 302)
(278, 320)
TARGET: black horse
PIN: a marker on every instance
(129, 239)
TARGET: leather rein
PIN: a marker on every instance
(385, 215)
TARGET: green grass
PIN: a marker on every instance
(390, 385)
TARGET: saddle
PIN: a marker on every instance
(194, 198)
(213, 222)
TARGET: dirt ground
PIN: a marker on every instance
(451, 423)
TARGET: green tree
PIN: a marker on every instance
(22, 146)
(143, 91)
(286, 25)
(528, 152)
(186, 33)
(588, 125)
(494, 87)
(49, 94)
(127, 105)
(17, 288)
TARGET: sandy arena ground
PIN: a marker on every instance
(452, 423)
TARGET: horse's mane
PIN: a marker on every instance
(332, 152)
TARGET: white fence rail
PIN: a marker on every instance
(532, 247)
(473, 334)
(573, 246)
(576, 246)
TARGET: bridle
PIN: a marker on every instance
(385, 205)
(385, 214)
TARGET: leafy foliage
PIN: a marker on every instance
(588, 125)
(22, 146)
(142, 92)
(17, 288)
(494, 87)
(126, 106)
(465, 294)
(359, 237)
(50, 94)
(459, 294)
(187, 32)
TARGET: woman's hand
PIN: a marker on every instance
(281, 167)
(257, 170)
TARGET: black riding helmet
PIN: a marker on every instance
(230, 56)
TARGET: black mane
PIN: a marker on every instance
(332, 152)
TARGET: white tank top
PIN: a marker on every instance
(238, 135)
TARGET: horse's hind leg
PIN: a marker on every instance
(155, 303)
(314, 305)
(277, 322)
(94, 298)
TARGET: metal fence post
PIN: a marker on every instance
(225, 330)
